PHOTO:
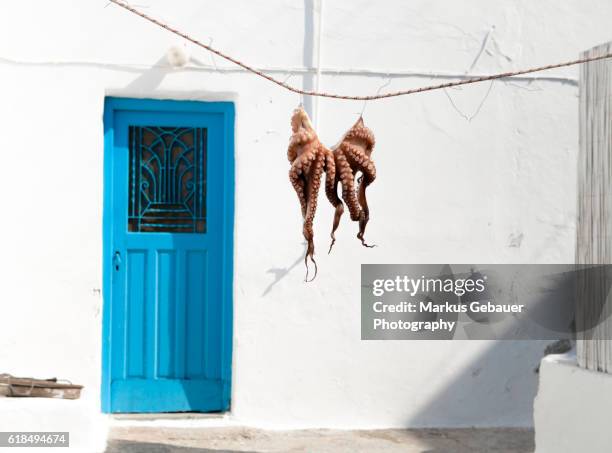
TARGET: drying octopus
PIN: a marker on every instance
(352, 155)
(309, 159)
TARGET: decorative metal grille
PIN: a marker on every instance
(167, 189)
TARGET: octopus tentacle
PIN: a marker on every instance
(313, 193)
(331, 191)
(347, 179)
(364, 216)
(363, 164)
(298, 183)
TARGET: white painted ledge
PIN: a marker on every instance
(88, 428)
(572, 408)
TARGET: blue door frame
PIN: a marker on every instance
(149, 364)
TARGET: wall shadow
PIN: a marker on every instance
(150, 79)
(474, 440)
(128, 446)
(498, 385)
(484, 393)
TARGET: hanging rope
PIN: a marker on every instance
(286, 86)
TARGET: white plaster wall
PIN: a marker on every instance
(569, 410)
(498, 189)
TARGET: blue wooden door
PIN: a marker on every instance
(168, 255)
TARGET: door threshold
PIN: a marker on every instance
(171, 416)
(173, 420)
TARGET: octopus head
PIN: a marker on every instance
(300, 120)
(361, 135)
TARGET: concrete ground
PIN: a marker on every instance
(247, 440)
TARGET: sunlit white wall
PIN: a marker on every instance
(481, 174)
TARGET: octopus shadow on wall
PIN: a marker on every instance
(281, 272)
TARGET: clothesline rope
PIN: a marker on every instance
(503, 75)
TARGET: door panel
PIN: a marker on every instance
(195, 287)
(168, 347)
